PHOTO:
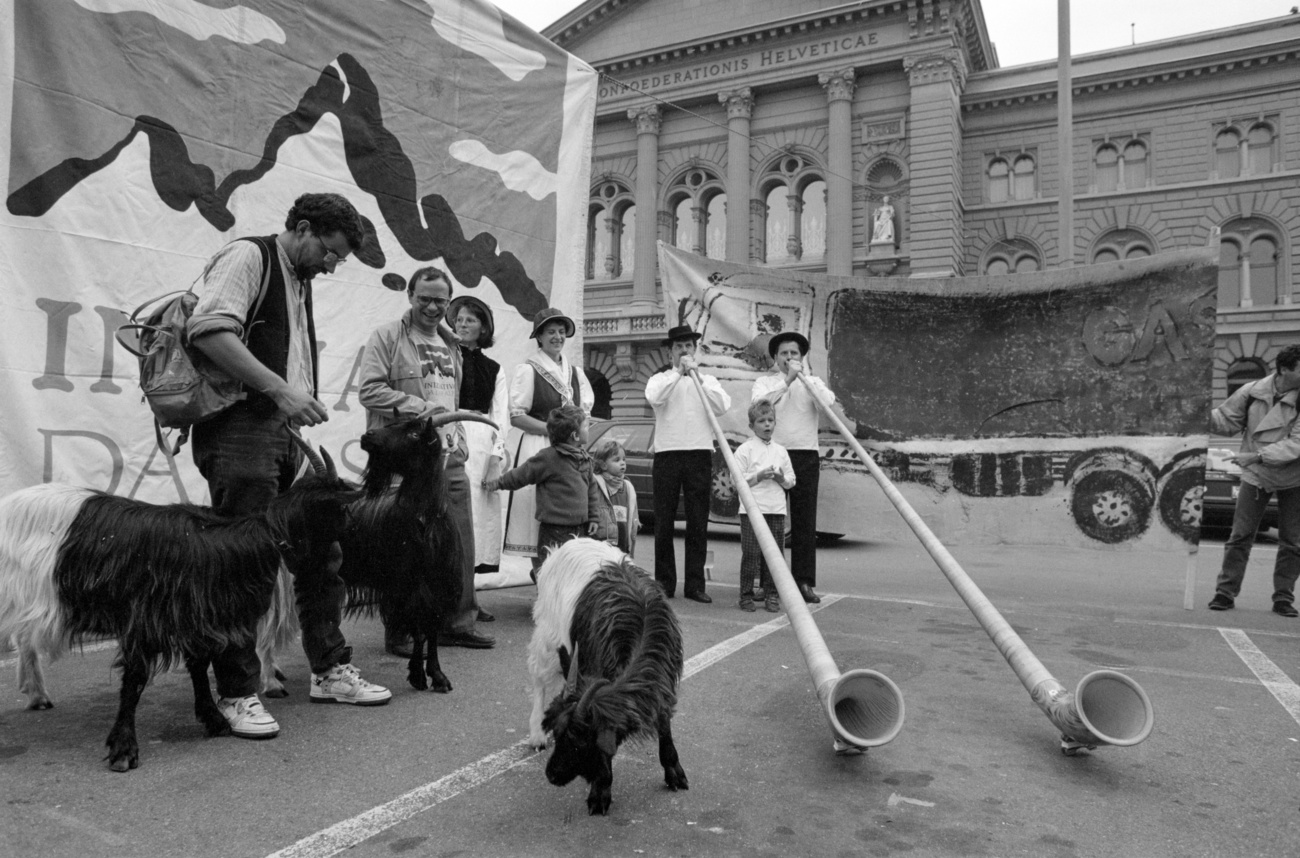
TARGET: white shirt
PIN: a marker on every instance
(680, 420)
(521, 385)
(797, 413)
(753, 456)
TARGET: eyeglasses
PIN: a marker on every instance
(426, 300)
(330, 257)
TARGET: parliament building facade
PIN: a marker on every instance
(881, 138)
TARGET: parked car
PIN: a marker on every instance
(1222, 483)
(636, 434)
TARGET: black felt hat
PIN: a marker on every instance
(681, 332)
(550, 314)
(787, 337)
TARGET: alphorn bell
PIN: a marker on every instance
(864, 707)
(1107, 707)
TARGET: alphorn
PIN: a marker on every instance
(1107, 707)
(864, 707)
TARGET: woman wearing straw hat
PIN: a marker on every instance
(483, 389)
(545, 381)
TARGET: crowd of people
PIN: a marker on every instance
(434, 359)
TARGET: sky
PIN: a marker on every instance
(1024, 31)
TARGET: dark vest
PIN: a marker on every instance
(547, 398)
(478, 380)
(268, 330)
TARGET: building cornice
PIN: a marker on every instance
(1152, 64)
(926, 18)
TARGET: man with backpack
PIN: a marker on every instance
(268, 342)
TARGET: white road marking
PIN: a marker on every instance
(350, 832)
(1278, 683)
(895, 800)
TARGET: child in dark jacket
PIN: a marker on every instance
(616, 511)
(563, 476)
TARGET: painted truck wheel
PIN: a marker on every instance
(1181, 491)
(724, 500)
(1111, 506)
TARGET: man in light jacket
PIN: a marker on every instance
(1270, 464)
(683, 463)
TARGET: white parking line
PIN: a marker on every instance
(350, 832)
(1277, 682)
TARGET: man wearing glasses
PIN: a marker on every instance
(412, 366)
(267, 340)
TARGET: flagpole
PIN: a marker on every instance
(1065, 137)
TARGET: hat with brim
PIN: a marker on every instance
(550, 314)
(787, 337)
(485, 313)
(681, 332)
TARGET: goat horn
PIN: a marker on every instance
(1107, 708)
(317, 464)
(571, 682)
(864, 707)
(460, 417)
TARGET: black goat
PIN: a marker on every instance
(169, 582)
(400, 551)
(626, 646)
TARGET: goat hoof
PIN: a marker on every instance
(675, 778)
(598, 805)
(440, 683)
(215, 725)
(124, 765)
(417, 681)
(537, 743)
(277, 692)
(41, 703)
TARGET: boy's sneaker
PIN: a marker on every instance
(248, 720)
(343, 684)
(747, 605)
(1221, 602)
(772, 604)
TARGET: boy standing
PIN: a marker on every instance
(766, 467)
(563, 476)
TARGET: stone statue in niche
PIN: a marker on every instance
(882, 225)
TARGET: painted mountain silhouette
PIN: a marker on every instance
(375, 157)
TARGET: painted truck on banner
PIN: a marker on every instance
(1021, 409)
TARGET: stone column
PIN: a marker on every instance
(839, 88)
(645, 265)
(934, 238)
(740, 106)
(757, 231)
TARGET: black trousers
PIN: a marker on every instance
(678, 472)
(803, 516)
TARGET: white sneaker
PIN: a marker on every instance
(343, 684)
(248, 720)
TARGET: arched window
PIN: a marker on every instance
(1026, 185)
(1106, 168)
(1260, 151)
(999, 182)
(610, 231)
(1227, 154)
(699, 209)
(1243, 371)
(1133, 166)
(1250, 250)
(794, 225)
(1121, 244)
(1012, 256)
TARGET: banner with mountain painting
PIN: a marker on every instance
(139, 136)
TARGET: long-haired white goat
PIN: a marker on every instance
(603, 623)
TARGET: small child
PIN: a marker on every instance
(615, 498)
(767, 469)
(562, 474)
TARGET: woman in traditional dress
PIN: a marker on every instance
(545, 381)
(483, 388)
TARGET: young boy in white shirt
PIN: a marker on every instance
(766, 467)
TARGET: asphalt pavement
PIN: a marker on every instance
(976, 769)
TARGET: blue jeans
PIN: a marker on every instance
(248, 459)
(1251, 502)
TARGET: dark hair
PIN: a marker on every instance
(486, 336)
(562, 422)
(428, 272)
(1287, 358)
(758, 408)
(604, 451)
(327, 214)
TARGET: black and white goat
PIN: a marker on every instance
(170, 582)
(400, 550)
(604, 625)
